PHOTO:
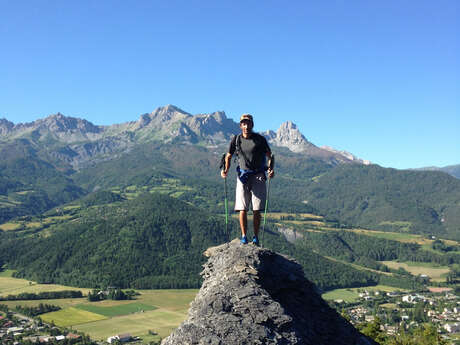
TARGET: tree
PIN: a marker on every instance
(372, 330)
(419, 312)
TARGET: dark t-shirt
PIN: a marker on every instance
(254, 151)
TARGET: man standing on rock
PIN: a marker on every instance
(252, 150)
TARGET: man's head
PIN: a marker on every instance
(247, 117)
(246, 123)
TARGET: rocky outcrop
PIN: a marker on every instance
(252, 295)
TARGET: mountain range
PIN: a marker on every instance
(52, 161)
(78, 142)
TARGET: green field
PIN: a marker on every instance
(61, 302)
(171, 309)
(15, 286)
(168, 308)
(352, 294)
(395, 236)
(10, 226)
(117, 310)
(71, 317)
(160, 311)
(347, 295)
(161, 321)
(435, 272)
(6, 273)
(402, 226)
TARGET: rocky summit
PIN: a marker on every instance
(252, 295)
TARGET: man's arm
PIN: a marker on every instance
(228, 160)
(271, 164)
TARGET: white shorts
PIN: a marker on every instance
(253, 191)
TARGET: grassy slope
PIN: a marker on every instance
(15, 286)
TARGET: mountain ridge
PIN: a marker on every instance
(76, 137)
(453, 170)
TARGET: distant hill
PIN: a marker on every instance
(453, 170)
(389, 199)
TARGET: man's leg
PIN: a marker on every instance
(243, 222)
(242, 200)
(256, 221)
(258, 202)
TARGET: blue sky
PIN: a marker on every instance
(379, 79)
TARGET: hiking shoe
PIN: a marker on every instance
(255, 240)
(244, 240)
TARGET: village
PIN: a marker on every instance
(16, 329)
(396, 311)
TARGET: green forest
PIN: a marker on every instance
(156, 241)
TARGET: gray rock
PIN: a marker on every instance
(252, 295)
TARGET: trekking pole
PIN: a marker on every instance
(222, 166)
(265, 212)
(226, 211)
(272, 163)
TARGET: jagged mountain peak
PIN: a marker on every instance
(252, 295)
(288, 125)
(162, 117)
(60, 123)
(288, 135)
(169, 110)
(5, 126)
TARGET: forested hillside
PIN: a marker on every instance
(153, 241)
(29, 184)
(389, 199)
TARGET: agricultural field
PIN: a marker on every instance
(352, 294)
(396, 236)
(10, 226)
(35, 223)
(116, 310)
(70, 317)
(170, 186)
(15, 286)
(347, 295)
(154, 314)
(436, 273)
(159, 311)
(297, 216)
